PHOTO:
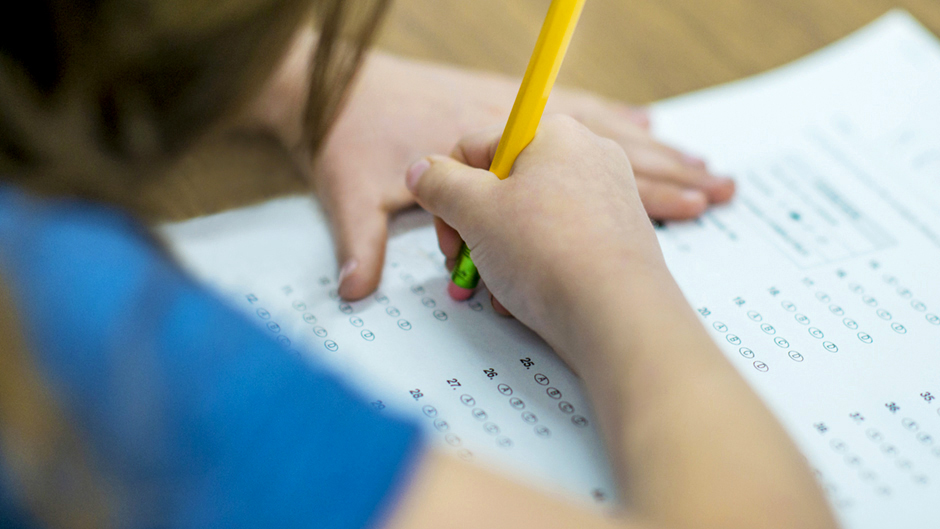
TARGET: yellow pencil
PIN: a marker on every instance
(526, 113)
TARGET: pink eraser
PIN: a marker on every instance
(459, 293)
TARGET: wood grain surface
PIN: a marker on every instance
(634, 50)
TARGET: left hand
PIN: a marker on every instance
(401, 109)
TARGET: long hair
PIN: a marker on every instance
(98, 96)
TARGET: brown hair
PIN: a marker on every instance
(97, 96)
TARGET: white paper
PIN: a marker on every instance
(818, 281)
(485, 387)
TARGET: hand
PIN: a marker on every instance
(401, 109)
(562, 229)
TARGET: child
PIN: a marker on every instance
(132, 397)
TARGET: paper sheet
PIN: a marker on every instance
(818, 281)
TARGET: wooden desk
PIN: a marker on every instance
(634, 50)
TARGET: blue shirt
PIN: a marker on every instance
(193, 414)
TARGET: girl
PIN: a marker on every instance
(131, 397)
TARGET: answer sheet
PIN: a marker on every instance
(817, 281)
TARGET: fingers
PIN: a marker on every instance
(451, 190)
(360, 233)
(659, 162)
(479, 148)
(448, 239)
(665, 200)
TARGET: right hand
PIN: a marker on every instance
(555, 236)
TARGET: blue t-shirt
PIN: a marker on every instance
(191, 414)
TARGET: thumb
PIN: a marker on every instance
(449, 189)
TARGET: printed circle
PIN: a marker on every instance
(566, 407)
(850, 323)
(273, 327)
(310, 318)
(367, 335)
(491, 428)
(816, 333)
(910, 424)
(874, 435)
(720, 327)
(898, 328)
(441, 425)
(733, 339)
(883, 314)
(761, 366)
(440, 314)
(918, 306)
(837, 310)
(330, 345)
(452, 439)
(864, 337)
(822, 296)
(430, 411)
(356, 321)
(905, 293)
(852, 460)
(746, 353)
(579, 421)
(465, 454)
(517, 403)
(393, 312)
(870, 301)
(319, 331)
(504, 442)
(889, 449)
(933, 319)
(467, 400)
(795, 356)
(925, 438)
(333, 294)
(283, 340)
(920, 479)
(429, 302)
(299, 306)
(381, 298)
(479, 414)
(504, 389)
(529, 417)
(542, 431)
(856, 288)
(754, 315)
(404, 325)
(839, 446)
(406, 277)
(475, 306)
(801, 318)
(768, 328)
(831, 347)
(788, 306)
(541, 379)
(553, 393)
(890, 279)
(781, 342)
(345, 308)
(418, 290)
(263, 314)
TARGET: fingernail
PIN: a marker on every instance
(414, 173)
(692, 161)
(694, 195)
(640, 116)
(348, 268)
